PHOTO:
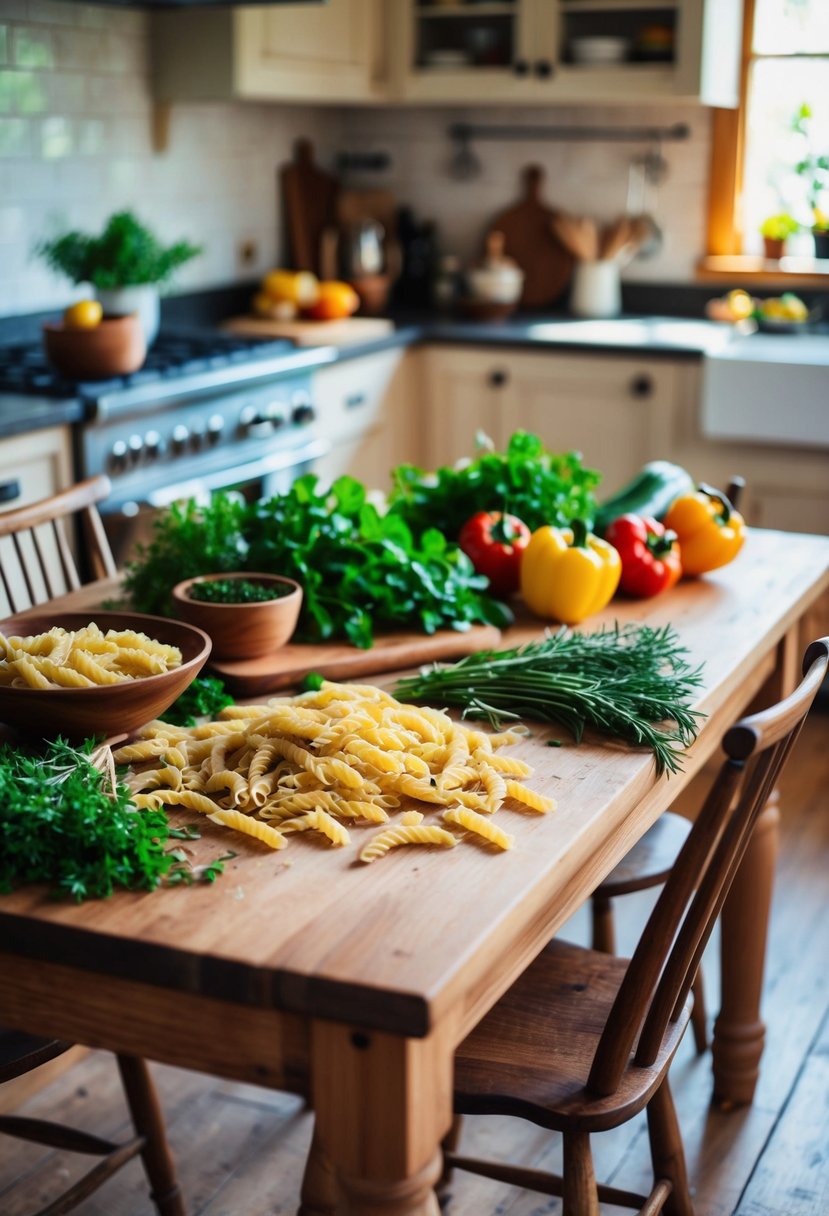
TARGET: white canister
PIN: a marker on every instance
(142, 299)
(596, 290)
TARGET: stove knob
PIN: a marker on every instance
(135, 444)
(152, 445)
(197, 440)
(276, 419)
(180, 437)
(215, 427)
(302, 411)
(118, 457)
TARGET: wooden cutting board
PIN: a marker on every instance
(314, 333)
(339, 661)
(547, 265)
(309, 197)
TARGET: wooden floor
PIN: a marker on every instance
(241, 1150)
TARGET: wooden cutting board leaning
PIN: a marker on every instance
(529, 239)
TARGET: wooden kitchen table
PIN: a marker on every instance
(302, 970)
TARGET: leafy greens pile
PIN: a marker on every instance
(630, 682)
(538, 486)
(63, 821)
(360, 570)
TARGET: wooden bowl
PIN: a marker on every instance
(114, 347)
(108, 709)
(485, 310)
(242, 631)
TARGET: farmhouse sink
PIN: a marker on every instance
(678, 333)
(768, 389)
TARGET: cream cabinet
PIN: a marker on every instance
(616, 410)
(32, 467)
(366, 408)
(545, 51)
(290, 52)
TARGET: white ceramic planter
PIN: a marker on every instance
(143, 299)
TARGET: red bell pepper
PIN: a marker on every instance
(494, 543)
(650, 555)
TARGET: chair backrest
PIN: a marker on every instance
(40, 564)
(663, 966)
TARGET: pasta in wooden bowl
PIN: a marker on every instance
(93, 673)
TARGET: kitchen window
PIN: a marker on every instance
(771, 155)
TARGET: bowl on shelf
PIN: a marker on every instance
(105, 709)
(597, 48)
(242, 630)
(116, 346)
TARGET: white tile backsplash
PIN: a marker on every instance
(76, 145)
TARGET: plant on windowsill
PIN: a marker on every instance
(126, 265)
(775, 230)
(814, 168)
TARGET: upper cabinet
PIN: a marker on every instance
(445, 51)
(288, 52)
(546, 51)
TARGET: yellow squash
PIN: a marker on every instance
(711, 533)
(567, 574)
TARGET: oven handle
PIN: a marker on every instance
(277, 462)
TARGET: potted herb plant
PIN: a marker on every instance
(775, 230)
(814, 168)
(126, 265)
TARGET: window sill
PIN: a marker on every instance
(787, 272)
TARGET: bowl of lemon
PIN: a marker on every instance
(782, 314)
(86, 344)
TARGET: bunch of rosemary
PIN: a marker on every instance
(630, 682)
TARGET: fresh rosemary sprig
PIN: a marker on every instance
(631, 682)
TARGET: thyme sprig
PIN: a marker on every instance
(631, 682)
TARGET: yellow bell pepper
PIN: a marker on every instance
(711, 533)
(567, 574)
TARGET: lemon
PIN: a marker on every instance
(740, 304)
(299, 287)
(86, 314)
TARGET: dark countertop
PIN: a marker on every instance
(19, 415)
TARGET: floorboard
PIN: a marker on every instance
(241, 1150)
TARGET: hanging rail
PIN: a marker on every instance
(466, 131)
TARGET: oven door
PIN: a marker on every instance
(129, 521)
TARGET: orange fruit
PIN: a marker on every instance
(334, 301)
(86, 314)
(298, 287)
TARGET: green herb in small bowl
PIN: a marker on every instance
(247, 615)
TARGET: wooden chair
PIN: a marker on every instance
(583, 1041)
(39, 563)
(21, 1053)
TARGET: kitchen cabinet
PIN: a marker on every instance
(366, 410)
(530, 50)
(32, 467)
(296, 52)
(616, 410)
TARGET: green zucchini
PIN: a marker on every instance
(651, 492)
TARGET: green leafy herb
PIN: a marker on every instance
(360, 570)
(538, 486)
(65, 821)
(630, 682)
(126, 254)
(237, 591)
(183, 873)
(202, 699)
(313, 682)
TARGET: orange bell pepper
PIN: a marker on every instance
(567, 574)
(711, 533)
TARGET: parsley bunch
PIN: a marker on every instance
(203, 698)
(538, 486)
(64, 821)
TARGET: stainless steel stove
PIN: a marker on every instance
(207, 411)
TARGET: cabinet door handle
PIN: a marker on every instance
(521, 67)
(498, 378)
(544, 69)
(641, 386)
(9, 490)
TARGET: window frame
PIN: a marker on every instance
(724, 260)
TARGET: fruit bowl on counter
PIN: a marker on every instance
(94, 709)
(87, 345)
(247, 615)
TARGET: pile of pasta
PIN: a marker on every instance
(82, 658)
(338, 758)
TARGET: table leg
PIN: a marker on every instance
(382, 1104)
(739, 1031)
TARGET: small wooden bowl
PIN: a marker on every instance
(114, 347)
(107, 709)
(242, 631)
(485, 310)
